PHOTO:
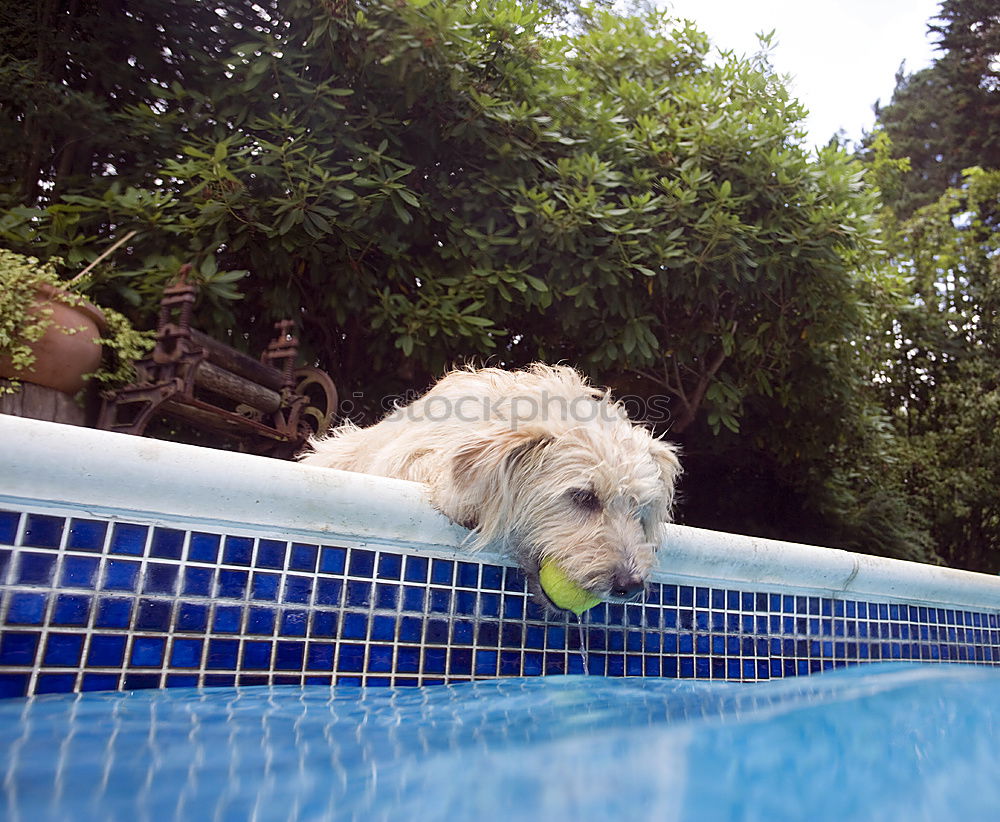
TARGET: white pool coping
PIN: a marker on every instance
(60, 468)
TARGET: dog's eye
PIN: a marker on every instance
(585, 499)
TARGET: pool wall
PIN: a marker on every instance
(131, 563)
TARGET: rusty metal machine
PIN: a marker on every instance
(269, 406)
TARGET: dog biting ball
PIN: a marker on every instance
(536, 463)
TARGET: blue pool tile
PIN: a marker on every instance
(304, 557)
(414, 598)
(324, 624)
(460, 661)
(232, 584)
(436, 632)
(257, 655)
(486, 662)
(106, 651)
(204, 547)
(260, 621)
(533, 663)
(43, 531)
(113, 612)
(534, 636)
(5, 558)
(160, 578)
(86, 535)
(222, 653)
(191, 617)
(9, 521)
(121, 575)
(271, 554)
(227, 619)
(390, 566)
(182, 680)
(407, 659)
(386, 596)
(63, 650)
(415, 569)
(128, 539)
(358, 594)
(362, 563)
(383, 628)
(237, 550)
(489, 604)
(328, 591)
(354, 626)
(465, 602)
(513, 607)
(26, 608)
(198, 581)
(298, 589)
(294, 623)
(220, 680)
(139, 682)
(439, 601)
(442, 571)
(265, 586)
(55, 683)
(410, 629)
(79, 572)
(514, 580)
(153, 615)
(380, 658)
(71, 610)
(467, 575)
(147, 651)
(512, 635)
(351, 657)
(492, 577)
(319, 656)
(435, 660)
(168, 543)
(332, 560)
(36, 569)
(462, 632)
(510, 663)
(488, 634)
(98, 682)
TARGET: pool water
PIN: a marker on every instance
(876, 742)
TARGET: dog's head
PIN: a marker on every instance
(590, 497)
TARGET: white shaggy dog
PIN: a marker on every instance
(535, 461)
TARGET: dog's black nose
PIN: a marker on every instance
(626, 586)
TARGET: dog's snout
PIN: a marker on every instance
(626, 585)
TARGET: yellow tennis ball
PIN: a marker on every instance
(562, 591)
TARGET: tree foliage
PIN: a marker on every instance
(946, 117)
(423, 182)
(941, 381)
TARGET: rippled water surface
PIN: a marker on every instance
(892, 742)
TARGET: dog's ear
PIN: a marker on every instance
(664, 454)
(483, 481)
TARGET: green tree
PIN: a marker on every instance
(946, 117)
(943, 360)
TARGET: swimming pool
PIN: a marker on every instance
(128, 563)
(877, 742)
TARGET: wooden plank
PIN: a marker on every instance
(40, 403)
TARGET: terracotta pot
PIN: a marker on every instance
(63, 356)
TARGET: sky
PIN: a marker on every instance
(841, 56)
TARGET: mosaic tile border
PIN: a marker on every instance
(106, 604)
